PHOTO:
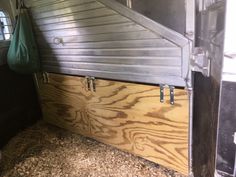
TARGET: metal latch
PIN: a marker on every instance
(88, 83)
(91, 84)
(162, 93)
(45, 77)
(172, 95)
(200, 61)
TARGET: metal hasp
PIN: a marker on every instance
(92, 80)
(91, 85)
(162, 93)
(45, 77)
(200, 61)
(172, 95)
(88, 82)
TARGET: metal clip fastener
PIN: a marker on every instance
(93, 82)
(88, 82)
(172, 95)
(45, 78)
(162, 93)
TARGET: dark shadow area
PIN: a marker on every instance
(19, 107)
(206, 101)
(227, 125)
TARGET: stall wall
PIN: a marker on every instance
(105, 39)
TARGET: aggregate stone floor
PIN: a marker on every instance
(47, 151)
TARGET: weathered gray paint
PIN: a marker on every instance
(105, 39)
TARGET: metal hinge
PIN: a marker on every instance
(200, 61)
(45, 77)
(91, 83)
(162, 93)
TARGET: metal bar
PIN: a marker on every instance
(129, 3)
(2, 30)
(145, 61)
(149, 52)
(139, 69)
(133, 77)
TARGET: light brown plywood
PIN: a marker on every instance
(125, 115)
(63, 102)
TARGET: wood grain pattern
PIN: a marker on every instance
(125, 115)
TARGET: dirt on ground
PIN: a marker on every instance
(47, 151)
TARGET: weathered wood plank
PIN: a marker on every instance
(125, 115)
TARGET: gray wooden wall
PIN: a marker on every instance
(105, 39)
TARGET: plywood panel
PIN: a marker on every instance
(131, 117)
(63, 102)
(125, 115)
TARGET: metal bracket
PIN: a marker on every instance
(92, 79)
(200, 61)
(162, 93)
(172, 94)
(91, 84)
(45, 77)
(88, 83)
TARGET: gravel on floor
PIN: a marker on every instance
(47, 151)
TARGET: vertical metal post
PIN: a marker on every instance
(162, 93)
(190, 34)
(235, 165)
(2, 30)
(129, 3)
